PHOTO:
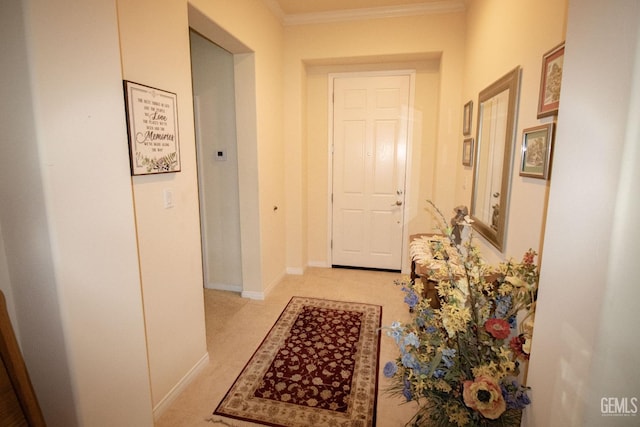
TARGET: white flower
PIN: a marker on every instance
(527, 326)
(516, 281)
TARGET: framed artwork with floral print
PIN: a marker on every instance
(467, 152)
(536, 151)
(550, 81)
(466, 118)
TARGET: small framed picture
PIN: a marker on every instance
(536, 151)
(152, 128)
(552, 65)
(467, 152)
(466, 118)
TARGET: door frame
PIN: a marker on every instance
(247, 142)
(407, 172)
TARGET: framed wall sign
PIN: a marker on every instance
(152, 127)
(467, 152)
(552, 65)
(536, 151)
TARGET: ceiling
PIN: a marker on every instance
(306, 11)
(292, 7)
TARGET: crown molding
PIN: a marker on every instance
(275, 8)
(447, 6)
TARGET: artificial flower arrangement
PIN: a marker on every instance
(460, 361)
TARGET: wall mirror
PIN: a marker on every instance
(497, 109)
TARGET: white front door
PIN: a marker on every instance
(370, 127)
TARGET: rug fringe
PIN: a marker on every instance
(219, 421)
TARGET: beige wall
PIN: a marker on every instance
(67, 215)
(501, 35)
(168, 239)
(433, 44)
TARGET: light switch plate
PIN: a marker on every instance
(168, 198)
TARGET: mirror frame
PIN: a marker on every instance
(511, 82)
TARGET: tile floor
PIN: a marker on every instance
(236, 327)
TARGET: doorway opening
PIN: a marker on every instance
(217, 159)
(238, 200)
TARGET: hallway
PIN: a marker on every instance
(236, 327)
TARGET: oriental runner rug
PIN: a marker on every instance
(318, 366)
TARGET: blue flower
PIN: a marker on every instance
(447, 356)
(412, 339)
(411, 299)
(439, 373)
(427, 312)
(409, 361)
(513, 322)
(503, 305)
(424, 369)
(431, 329)
(397, 325)
(449, 352)
(406, 391)
(396, 335)
(515, 396)
(522, 399)
(396, 332)
(390, 369)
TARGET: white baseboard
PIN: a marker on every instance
(223, 287)
(262, 295)
(253, 295)
(296, 271)
(319, 264)
(166, 401)
(274, 283)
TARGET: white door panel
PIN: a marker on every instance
(370, 137)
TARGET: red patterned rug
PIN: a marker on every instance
(318, 366)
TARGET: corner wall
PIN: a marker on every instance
(67, 217)
(27, 274)
(585, 341)
(155, 52)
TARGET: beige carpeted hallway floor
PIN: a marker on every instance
(236, 327)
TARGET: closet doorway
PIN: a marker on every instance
(217, 151)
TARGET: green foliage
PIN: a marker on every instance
(162, 164)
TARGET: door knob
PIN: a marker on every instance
(398, 203)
